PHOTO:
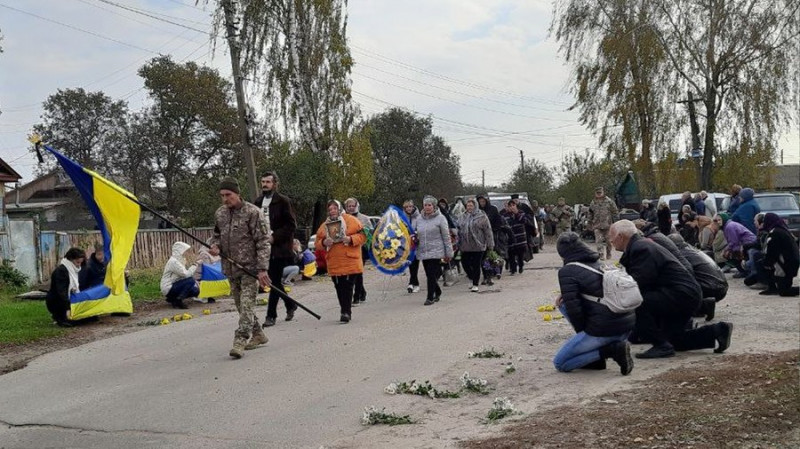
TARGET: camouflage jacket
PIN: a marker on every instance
(563, 215)
(243, 235)
(602, 213)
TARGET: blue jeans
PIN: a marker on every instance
(184, 288)
(582, 349)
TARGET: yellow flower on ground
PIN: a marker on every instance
(547, 317)
(165, 321)
(206, 311)
(186, 316)
(177, 317)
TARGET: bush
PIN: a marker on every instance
(10, 277)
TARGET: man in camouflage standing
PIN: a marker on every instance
(242, 234)
(563, 215)
(602, 213)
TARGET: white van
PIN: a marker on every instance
(674, 202)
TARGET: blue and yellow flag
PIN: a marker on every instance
(213, 283)
(117, 219)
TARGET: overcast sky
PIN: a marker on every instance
(485, 70)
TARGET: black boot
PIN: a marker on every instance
(657, 352)
(723, 331)
(708, 307)
(620, 352)
(596, 365)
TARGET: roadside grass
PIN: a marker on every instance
(145, 285)
(26, 320)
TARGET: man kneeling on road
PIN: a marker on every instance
(670, 295)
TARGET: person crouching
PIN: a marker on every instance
(177, 281)
(600, 333)
(341, 236)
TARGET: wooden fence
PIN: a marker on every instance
(152, 247)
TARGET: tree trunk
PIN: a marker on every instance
(708, 151)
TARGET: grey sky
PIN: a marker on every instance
(484, 69)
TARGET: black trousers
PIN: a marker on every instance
(275, 272)
(413, 271)
(472, 262)
(433, 270)
(515, 260)
(659, 321)
(359, 294)
(784, 285)
(344, 291)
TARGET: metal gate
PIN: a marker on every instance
(24, 247)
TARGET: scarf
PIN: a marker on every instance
(332, 230)
(772, 221)
(73, 275)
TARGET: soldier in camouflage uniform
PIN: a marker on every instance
(563, 215)
(602, 212)
(242, 234)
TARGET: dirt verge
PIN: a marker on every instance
(743, 401)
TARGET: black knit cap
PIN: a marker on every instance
(229, 184)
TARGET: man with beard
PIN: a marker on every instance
(281, 220)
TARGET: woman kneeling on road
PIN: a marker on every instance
(600, 333)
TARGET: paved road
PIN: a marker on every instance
(175, 386)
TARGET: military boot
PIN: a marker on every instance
(259, 338)
(238, 348)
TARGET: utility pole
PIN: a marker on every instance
(483, 179)
(521, 162)
(234, 45)
(697, 149)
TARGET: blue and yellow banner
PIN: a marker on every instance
(213, 283)
(117, 218)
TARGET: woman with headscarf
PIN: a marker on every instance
(433, 245)
(664, 218)
(177, 281)
(600, 333)
(63, 282)
(342, 236)
(412, 213)
(475, 237)
(781, 256)
(739, 239)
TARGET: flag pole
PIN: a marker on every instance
(127, 195)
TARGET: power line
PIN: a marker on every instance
(126, 17)
(389, 60)
(79, 29)
(155, 15)
(457, 91)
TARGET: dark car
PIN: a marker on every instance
(628, 214)
(782, 204)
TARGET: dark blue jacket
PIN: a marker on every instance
(585, 315)
(747, 210)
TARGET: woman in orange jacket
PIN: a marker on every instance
(342, 237)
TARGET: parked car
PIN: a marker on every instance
(782, 204)
(674, 202)
(628, 214)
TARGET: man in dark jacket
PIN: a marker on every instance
(707, 273)
(671, 295)
(281, 220)
(94, 270)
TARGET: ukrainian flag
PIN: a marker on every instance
(117, 218)
(213, 283)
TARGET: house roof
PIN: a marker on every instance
(787, 176)
(44, 205)
(8, 174)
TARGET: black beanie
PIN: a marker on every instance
(229, 184)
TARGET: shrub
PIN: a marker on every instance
(10, 277)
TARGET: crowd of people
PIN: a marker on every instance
(679, 269)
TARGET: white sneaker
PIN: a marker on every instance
(416, 289)
(474, 289)
(410, 288)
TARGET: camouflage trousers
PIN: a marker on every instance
(244, 290)
(603, 246)
(562, 228)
